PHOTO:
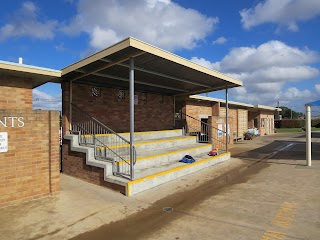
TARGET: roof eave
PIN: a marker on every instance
(38, 75)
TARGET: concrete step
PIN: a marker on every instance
(147, 159)
(156, 144)
(150, 135)
(154, 176)
(138, 136)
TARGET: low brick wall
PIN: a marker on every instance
(74, 164)
(30, 169)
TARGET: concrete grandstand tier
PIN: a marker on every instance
(158, 155)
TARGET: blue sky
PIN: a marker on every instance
(271, 45)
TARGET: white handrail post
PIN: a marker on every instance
(308, 135)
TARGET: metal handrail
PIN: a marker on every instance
(108, 145)
(205, 132)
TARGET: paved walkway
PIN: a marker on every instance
(276, 198)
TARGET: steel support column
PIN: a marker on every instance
(174, 111)
(227, 128)
(70, 106)
(308, 135)
(131, 79)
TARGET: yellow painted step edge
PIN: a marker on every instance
(136, 133)
(146, 143)
(165, 154)
(171, 170)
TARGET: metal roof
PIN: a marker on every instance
(156, 70)
(38, 75)
(221, 101)
(250, 107)
(263, 107)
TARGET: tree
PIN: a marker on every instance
(286, 113)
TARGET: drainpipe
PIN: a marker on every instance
(131, 76)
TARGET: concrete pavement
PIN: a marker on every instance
(276, 197)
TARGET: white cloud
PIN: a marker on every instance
(317, 87)
(205, 63)
(269, 54)
(101, 38)
(60, 47)
(284, 13)
(220, 40)
(266, 69)
(45, 101)
(294, 93)
(160, 22)
(25, 22)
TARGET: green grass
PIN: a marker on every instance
(285, 130)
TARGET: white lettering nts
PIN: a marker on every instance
(11, 122)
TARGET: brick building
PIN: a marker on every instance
(242, 116)
(262, 118)
(130, 86)
(29, 147)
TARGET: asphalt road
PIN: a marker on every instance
(274, 196)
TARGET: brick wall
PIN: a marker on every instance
(211, 110)
(233, 114)
(215, 108)
(266, 121)
(242, 126)
(217, 122)
(199, 109)
(30, 168)
(153, 113)
(15, 92)
(251, 117)
(74, 164)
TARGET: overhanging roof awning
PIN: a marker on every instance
(249, 107)
(37, 75)
(268, 108)
(315, 103)
(156, 70)
(210, 99)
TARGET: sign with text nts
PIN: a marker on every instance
(11, 122)
(3, 142)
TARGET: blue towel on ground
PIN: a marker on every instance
(187, 159)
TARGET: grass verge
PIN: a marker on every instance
(285, 130)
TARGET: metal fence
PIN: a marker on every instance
(108, 145)
(204, 132)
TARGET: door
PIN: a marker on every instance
(203, 136)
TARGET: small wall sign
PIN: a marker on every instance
(3, 142)
(219, 121)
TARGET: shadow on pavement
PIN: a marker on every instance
(280, 150)
(313, 135)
